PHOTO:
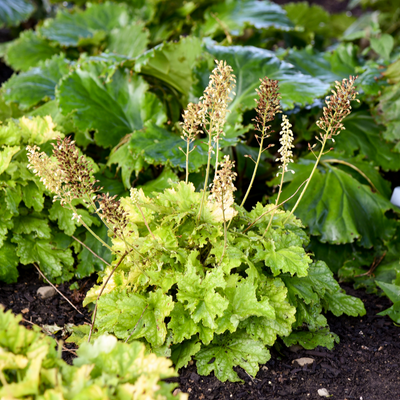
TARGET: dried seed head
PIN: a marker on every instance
(222, 187)
(191, 122)
(337, 108)
(111, 211)
(286, 141)
(214, 103)
(268, 104)
(76, 169)
(47, 170)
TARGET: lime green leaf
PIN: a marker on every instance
(199, 295)
(291, 259)
(8, 263)
(342, 218)
(235, 16)
(172, 63)
(32, 130)
(267, 329)
(383, 45)
(37, 84)
(28, 223)
(339, 303)
(85, 27)
(231, 350)
(181, 324)
(310, 340)
(6, 154)
(54, 263)
(33, 196)
(138, 40)
(13, 12)
(183, 352)
(250, 63)
(112, 109)
(34, 48)
(243, 303)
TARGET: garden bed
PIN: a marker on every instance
(365, 364)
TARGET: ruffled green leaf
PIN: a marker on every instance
(231, 350)
(37, 84)
(172, 63)
(13, 12)
(183, 353)
(310, 340)
(87, 27)
(243, 303)
(54, 263)
(112, 109)
(235, 16)
(199, 294)
(34, 48)
(138, 40)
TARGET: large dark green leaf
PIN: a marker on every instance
(389, 114)
(322, 65)
(172, 63)
(159, 146)
(33, 48)
(134, 46)
(8, 263)
(13, 12)
(91, 26)
(362, 135)
(235, 15)
(250, 64)
(29, 88)
(113, 109)
(338, 207)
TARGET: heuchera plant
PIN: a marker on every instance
(196, 275)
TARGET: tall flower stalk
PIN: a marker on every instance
(221, 194)
(191, 127)
(286, 157)
(267, 106)
(213, 109)
(338, 106)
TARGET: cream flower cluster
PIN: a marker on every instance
(286, 141)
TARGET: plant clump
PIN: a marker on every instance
(190, 285)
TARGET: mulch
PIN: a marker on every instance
(365, 365)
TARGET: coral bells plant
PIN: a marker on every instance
(195, 275)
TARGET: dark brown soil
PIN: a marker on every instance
(365, 365)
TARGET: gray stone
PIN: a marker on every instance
(323, 392)
(46, 292)
(302, 362)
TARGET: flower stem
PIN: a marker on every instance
(310, 177)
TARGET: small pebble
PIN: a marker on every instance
(46, 292)
(302, 362)
(176, 392)
(323, 392)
